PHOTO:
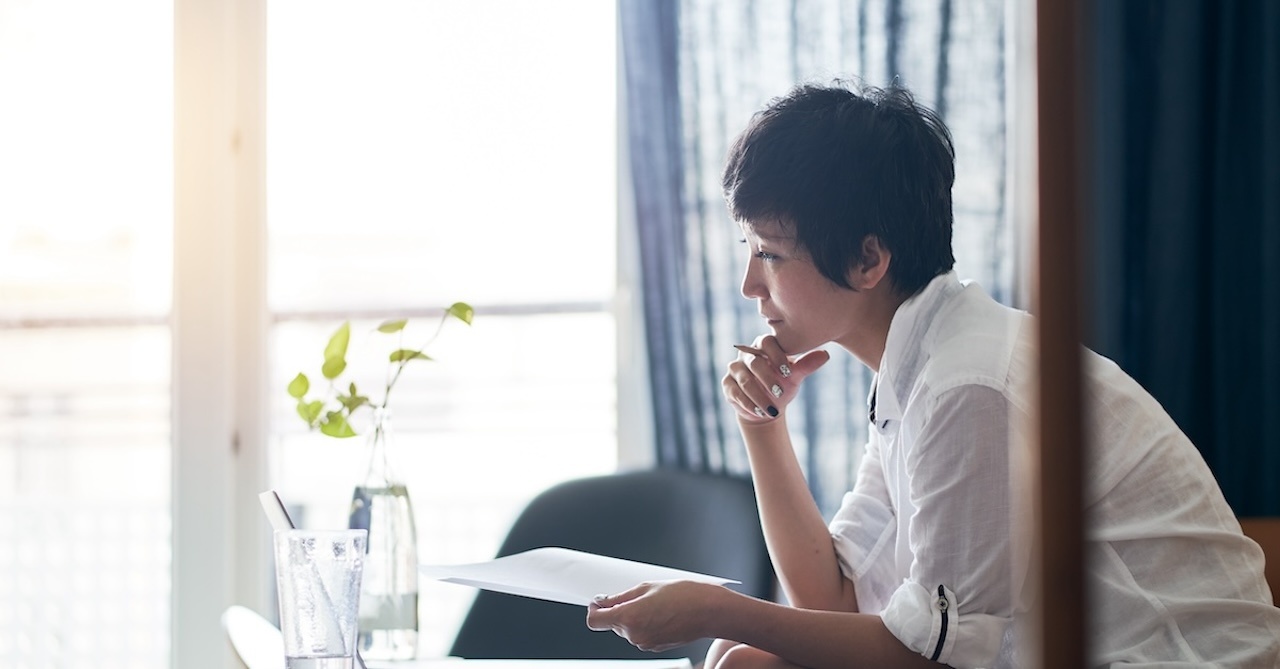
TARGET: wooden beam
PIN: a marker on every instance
(1060, 528)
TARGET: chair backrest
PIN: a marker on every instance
(1266, 531)
(257, 642)
(698, 522)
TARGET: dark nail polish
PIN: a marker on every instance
(773, 411)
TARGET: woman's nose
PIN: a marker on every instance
(752, 288)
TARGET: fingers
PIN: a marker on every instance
(601, 614)
(607, 601)
(746, 395)
(796, 368)
(809, 363)
(652, 616)
(599, 617)
(762, 380)
(634, 592)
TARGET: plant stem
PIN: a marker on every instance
(386, 395)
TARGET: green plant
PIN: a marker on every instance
(332, 413)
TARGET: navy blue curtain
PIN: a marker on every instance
(694, 72)
(1186, 250)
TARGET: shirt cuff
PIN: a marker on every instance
(934, 624)
(864, 550)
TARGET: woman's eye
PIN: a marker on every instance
(761, 254)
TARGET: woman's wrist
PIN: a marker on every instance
(722, 606)
(765, 429)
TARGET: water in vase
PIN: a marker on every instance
(334, 662)
(389, 592)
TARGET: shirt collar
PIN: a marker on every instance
(905, 347)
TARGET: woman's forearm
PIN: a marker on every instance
(798, 540)
(809, 638)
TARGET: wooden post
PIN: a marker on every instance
(1061, 627)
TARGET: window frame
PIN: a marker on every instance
(221, 323)
(218, 321)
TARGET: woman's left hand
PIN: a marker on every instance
(656, 616)
(763, 379)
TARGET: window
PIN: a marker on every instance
(419, 153)
(424, 152)
(85, 218)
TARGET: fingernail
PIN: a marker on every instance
(773, 411)
(599, 598)
(776, 390)
(785, 369)
(760, 412)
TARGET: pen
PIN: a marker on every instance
(783, 368)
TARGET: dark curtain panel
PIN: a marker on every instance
(1186, 268)
(694, 72)
(650, 45)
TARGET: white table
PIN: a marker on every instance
(258, 644)
(457, 663)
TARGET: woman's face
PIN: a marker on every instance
(801, 306)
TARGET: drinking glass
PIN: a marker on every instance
(318, 584)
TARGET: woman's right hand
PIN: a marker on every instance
(761, 383)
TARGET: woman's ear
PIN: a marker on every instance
(873, 266)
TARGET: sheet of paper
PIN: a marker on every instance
(560, 575)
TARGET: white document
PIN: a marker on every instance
(560, 575)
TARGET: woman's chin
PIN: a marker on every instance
(792, 344)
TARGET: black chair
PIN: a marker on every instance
(698, 522)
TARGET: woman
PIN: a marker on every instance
(844, 201)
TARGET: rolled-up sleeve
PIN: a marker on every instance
(863, 532)
(956, 603)
(941, 628)
(940, 577)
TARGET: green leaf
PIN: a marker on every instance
(335, 352)
(337, 345)
(353, 402)
(405, 355)
(462, 311)
(336, 425)
(310, 411)
(393, 326)
(333, 367)
(299, 386)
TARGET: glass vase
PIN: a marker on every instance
(389, 592)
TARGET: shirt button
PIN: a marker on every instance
(942, 604)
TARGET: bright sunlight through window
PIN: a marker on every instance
(421, 153)
(86, 204)
(418, 152)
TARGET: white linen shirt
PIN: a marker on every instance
(925, 535)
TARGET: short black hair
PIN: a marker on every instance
(834, 164)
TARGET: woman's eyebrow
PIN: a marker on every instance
(768, 236)
(768, 232)
(777, 239)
